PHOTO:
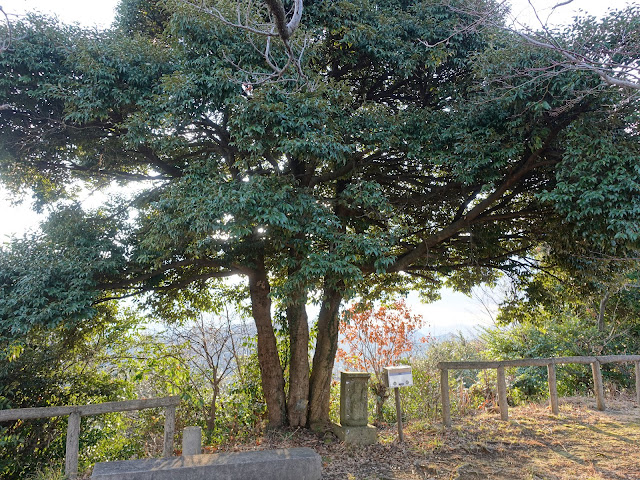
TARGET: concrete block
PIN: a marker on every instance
(192, 441)
(367, 435)
(283, 464)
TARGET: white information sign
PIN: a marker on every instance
(398, 376)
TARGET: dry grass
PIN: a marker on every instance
(580, 443)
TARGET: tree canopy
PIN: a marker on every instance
(403, 151)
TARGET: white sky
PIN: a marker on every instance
(88, 13)
(455, 311)
(101, 13)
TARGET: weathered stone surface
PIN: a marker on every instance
(353, 399)
(367, 435)
(284, 464)
(354, 410)
(192, 441)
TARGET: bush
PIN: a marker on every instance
(565, 337)
(56, 367)
(422, 399)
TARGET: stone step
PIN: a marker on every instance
(283, 464)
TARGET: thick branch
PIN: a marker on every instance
(508, 183)
(285, 30)
(198, 262)
(159, 163)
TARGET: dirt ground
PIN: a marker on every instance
(580, 443)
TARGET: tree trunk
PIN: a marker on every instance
(270, 368)
(211, 417)
(603, 306)
(382, 393)
(298, 401)
(324, 357)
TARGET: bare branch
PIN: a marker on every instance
(282, 26)
(617, 66)
(5, 43)
(598, 61)
(583, 62)
(257, 29)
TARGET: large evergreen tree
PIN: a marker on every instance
(381, 145)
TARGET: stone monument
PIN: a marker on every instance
(192, 441)
(354, 411)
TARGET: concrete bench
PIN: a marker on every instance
(284, 464)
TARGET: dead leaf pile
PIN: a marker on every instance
(580, 443)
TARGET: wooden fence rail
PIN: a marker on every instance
(76, 412)
(550, 363)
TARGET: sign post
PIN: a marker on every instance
(399, 415)
(396, 377)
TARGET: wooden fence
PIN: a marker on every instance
(75, 412)
(550, 363)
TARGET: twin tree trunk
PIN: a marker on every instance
(299, 362)
(324, 357)
(270, 368)
(308, 399)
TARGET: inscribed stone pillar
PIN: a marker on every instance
(354, 402)
(354, 409)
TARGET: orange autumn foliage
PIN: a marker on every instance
(375, 339)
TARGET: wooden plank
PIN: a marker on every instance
(502, 394)
(482, 365)
(72, 447)
(128, 405)
(638, 383)
(598, 387)
(37, 412)
(468, 365)
(553, 388)
(540, 362)
(444, 396)
(169, 431)
(86, 410)
(617, 358)
(580, 360)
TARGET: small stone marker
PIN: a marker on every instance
(283, 464)
(354, 410)
(192, 441)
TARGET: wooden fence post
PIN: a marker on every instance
(553, 388)
(598, 387)
(73, 445)
(502, 394)
(444, 395)
(169, 430)
(638, 382)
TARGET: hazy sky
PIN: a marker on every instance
(455, 311)
(90, 13)
(100, 13)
